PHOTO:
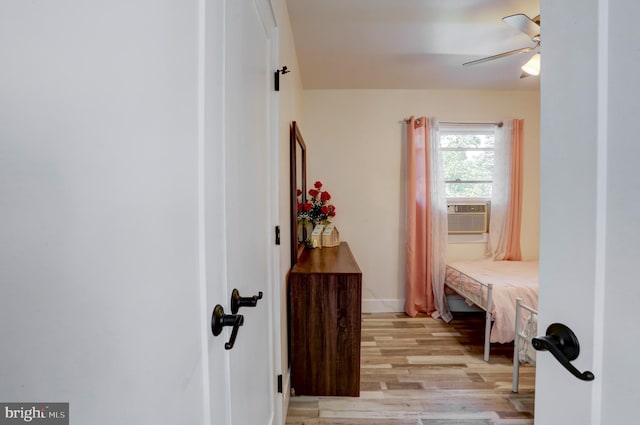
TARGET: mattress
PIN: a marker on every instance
(510, 279)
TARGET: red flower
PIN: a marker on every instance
(316, 209)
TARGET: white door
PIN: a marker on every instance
(113, 244)
(243, 242)
(590, 198)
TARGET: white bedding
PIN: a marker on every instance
(510, 279)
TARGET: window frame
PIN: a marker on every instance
(468, 129)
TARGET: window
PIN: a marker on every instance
(468, 159)
(468, 153)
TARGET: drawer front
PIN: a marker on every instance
(325, 333)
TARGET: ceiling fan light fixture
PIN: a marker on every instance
(532, 67)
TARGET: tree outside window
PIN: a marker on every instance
(468, 160)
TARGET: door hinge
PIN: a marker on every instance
(276, 77)
(280, 384)
(277, 235)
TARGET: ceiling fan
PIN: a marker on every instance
(529, 26)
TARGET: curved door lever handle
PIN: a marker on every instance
(219, 320)
(563, 344)
(237, 301)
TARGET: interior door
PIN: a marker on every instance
(590, 198)
(100, 236)
(239, 201)
(241, 182)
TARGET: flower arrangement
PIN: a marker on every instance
(317, 209)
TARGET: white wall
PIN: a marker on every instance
(100, 303)
(354, 147)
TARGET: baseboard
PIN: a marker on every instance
(382, 306)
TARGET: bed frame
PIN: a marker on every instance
(454, 279)
(522, 333)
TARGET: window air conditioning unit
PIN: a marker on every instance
(468, 218)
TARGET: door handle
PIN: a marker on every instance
(219, 320)
(563, 344)
(237, 301)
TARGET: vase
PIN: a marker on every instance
(305, 228)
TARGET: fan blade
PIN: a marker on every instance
(500, 55)
(524, 24)
(524, 75)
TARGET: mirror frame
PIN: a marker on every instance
(296, 142)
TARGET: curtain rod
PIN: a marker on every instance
(497, 124)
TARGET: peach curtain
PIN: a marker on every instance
(426, 222)
(506, 201)
(514, 207)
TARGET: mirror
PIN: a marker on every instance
(298, 180)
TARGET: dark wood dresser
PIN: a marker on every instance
(325, 297)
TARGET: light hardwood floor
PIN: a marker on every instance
(421, 371)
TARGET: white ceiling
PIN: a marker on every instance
(410, 44)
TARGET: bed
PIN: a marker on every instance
(494, 286)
